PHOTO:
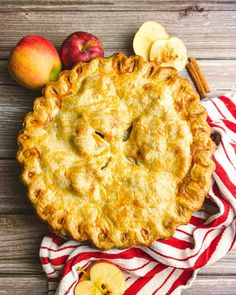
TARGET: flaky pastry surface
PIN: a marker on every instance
(117, 151)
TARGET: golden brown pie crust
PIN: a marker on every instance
(117, 151)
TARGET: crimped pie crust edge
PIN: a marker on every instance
(192, 191)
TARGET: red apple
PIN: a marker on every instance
(34, 61)
(80, 46)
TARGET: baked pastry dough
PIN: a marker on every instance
(117, 151)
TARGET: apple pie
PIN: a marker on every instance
(117, 152)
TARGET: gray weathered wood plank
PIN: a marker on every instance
(11, 117)
(208, 29)
(201, 32)
(37, 285)
(113, 5)
(225, 266)
(216, 285)
(20, 238)
(22, 266)
(15, 100)
(12, 192)
(21, 285)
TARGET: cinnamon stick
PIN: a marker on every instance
(200, 74)
(196, 79)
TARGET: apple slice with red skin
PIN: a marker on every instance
(107, 278)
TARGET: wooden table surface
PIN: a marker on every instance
(208, 28)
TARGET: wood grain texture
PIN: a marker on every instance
(15, 101)
(208, 30)
(114, 5)
(24, 266)
(216, 285)
(22, 285)
(225, 266)
(20, 236)
(13, 198)
(20, 240)
(209, 34)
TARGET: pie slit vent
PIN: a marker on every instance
(117, 152)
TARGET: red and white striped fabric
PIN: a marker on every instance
(168, 266)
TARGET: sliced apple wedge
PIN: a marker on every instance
(149, 32)
(86, 288)
(108, 278)
(169, 53)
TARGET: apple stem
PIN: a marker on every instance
(79, 269)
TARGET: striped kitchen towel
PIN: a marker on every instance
(166, 267)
